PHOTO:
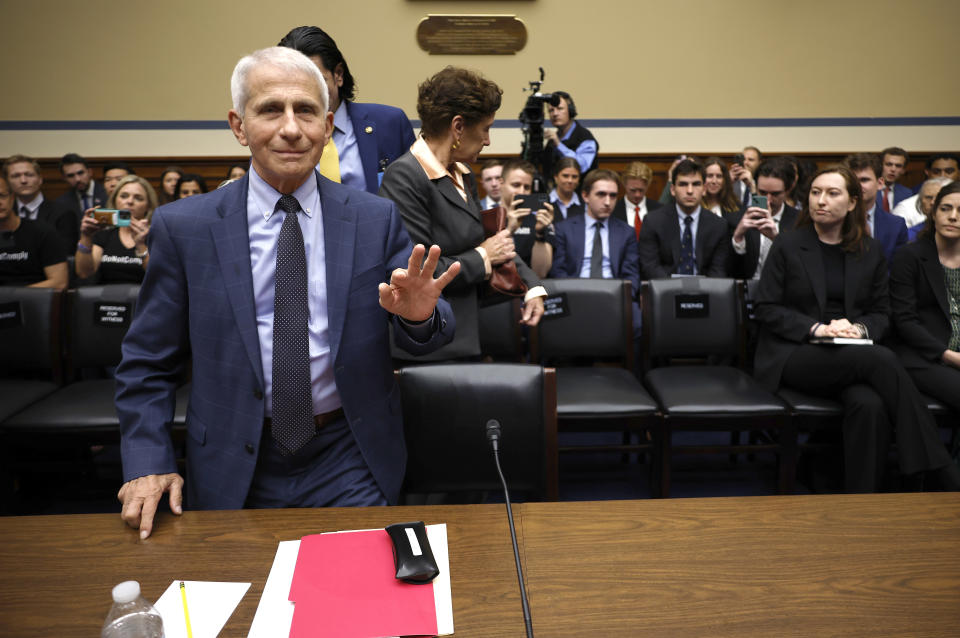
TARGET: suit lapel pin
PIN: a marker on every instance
(369, 129)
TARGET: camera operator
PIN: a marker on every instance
(569, 139)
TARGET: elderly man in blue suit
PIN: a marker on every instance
(597, 245)
(367, 137)
(273, 288)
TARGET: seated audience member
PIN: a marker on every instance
(23, 177)
(681, 239)
(914, 209)
(889, 230)
(113, 172)
(753, 230)
(168, 184)
(635, 205)
(925, 301)
(491, 176)
(941, 165)
(236, 171)
(828, 278)
(566, 179)
(596, 245)
(718, 195)
(743, 174)
(84, 191)
(893, 163)
(532, 240)
(31, 254)
(118, 253)
(366, 137)
(568, 139)
(190, 184)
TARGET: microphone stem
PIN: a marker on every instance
(516, 550)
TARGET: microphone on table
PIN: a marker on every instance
(493, 436)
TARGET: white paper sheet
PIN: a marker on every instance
(275, 612)
(210, 605)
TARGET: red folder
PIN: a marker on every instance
(344, 586)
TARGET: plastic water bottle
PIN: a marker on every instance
(131, 616)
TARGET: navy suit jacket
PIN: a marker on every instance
(383, 134)
(900, 193)
(659, 244)
(197, 302)
(69, 201)
(890, 231)
(569, 250)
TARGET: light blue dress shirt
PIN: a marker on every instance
(590, 226)
(558, 205)
(584, 154)
(263, 227)
(871, 219)
(345, 139)
(693, 232)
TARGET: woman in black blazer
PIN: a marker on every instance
(435, 192)
(925, 296)
(829, 279)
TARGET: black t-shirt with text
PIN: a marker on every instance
(119, 264)
(25, 252)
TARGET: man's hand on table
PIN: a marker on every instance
(141, 496)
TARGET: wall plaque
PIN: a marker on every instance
(471, 34)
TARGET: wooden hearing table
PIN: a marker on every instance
(759, 566)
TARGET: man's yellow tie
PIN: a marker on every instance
(330, 162)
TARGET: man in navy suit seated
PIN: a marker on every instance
(889, 230)
(597, 245)
(894, 164)
(366, 137)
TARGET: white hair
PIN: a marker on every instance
(283, 58)
(940, 181)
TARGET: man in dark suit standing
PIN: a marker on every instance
(753, 230)
(273, 288)
(889, 230)
(596, 245)
(684, 239)
(23, 175)
(84, 191)
(894, 163)
(366, 137)
(635, 205)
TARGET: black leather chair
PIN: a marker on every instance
(501, 337)
(98, 317)
(689, 320)
(30, 346)
(445, 411)
(593, 350)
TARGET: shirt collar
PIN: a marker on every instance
(871, 211)
(569, 132)
(265, 196)
(31, 206)
(341, 119)
(431, 165)
(631, 206)
(695, 214)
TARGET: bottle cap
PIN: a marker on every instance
(126, 592)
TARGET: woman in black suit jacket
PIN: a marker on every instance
(436, 194)
(829, 279)
(925, 296)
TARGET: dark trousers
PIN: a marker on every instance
(329, 471)
(877, 393)
(939, 381)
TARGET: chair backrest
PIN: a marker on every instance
(691, 317)
(99, 319)
(30, 328)
(499, 326)
(599, 322)
(446, 408)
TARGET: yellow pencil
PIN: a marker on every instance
(186, 612)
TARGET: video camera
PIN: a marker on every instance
(531, 117)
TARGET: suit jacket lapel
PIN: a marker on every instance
(812, 260)
(933, 271)
(673, 234)
(339, 241)
(575, 250)
(231, 241)
(366, 144)
(617, 240)
(449, 191)
(700, 240)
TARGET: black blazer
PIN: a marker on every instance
(435, 213)
(70, 202)
(745, 266)
(659, 244)
(620, 210)
(792, 296)
(61, 220)
(920, 304)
